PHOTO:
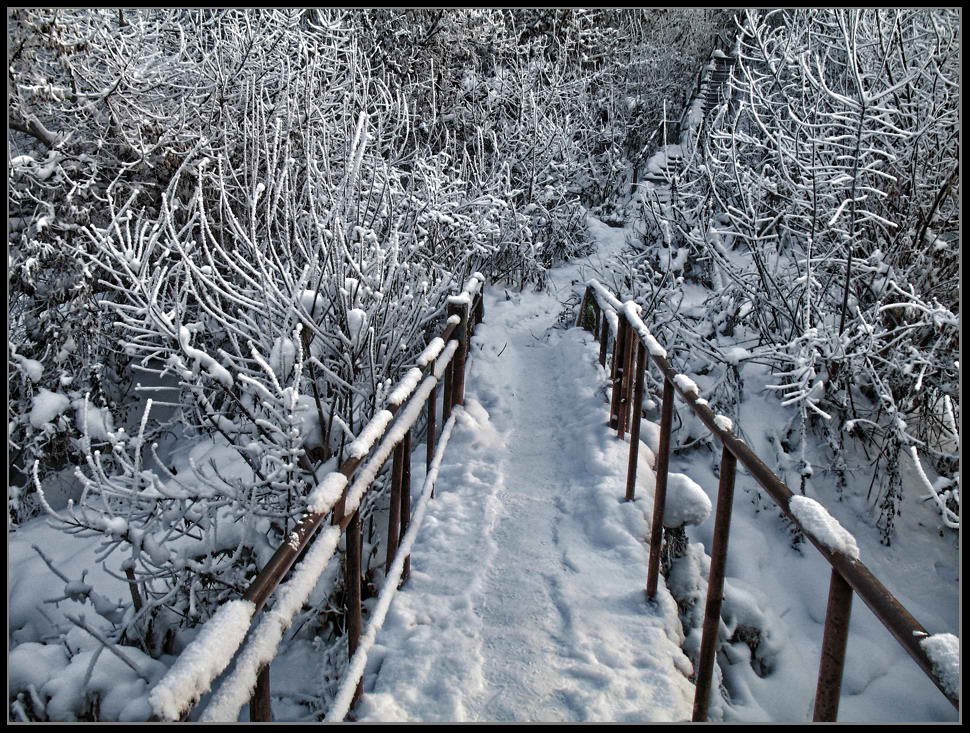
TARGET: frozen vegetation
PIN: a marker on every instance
(234, 237)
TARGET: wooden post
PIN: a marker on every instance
(394, 515)
(631, 473)
(834, 641)
(619, 352)
(406, 499)
(260, 707)
(352, 571)
(660, 492)
(715, 586)
(596, 319)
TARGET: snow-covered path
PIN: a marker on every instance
(526, 599)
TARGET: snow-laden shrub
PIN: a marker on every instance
(830, 172)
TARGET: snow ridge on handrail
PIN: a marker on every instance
(355, 672)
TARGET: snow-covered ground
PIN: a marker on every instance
(517, 594)
(784, 590)
(526, 597)
(526, 600)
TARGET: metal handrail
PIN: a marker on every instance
(848, 575)
(465, 312)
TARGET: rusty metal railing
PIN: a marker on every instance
(177, 700)
(632, 342)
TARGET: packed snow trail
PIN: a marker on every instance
(526, 599)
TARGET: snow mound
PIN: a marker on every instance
(47, 405)
(816, 520)
(95, 422)
(724, 423)
(650, 434)
(944, 651)
(686, 385)
(686, 502)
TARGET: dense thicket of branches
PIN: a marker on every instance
(832, 167)
(268, 209)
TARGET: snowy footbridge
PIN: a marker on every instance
(523, 603)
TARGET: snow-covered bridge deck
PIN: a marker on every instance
(526, 599)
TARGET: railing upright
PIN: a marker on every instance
(352, 573)
(462, 310)
(446, 397)
(619, 351)
(631, 473)
(604, 338)
(715, 585)
(260, 705)
(406, 499)
(625, 371)
(394, 512)
(660, 493)
(432, 415)
(835, 638)
(582, 308)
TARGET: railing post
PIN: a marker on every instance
(260, 707)
(432, 415)
(480, 306)
(627, 393)
(394, 514)
(604, 337)
(631, 473)
(596, 319)
(461, 333)
(446, 400)
(582, 307)
(352, 571)
(715, 586)
(834, 641)
(619, 354)
(660, 493)
(406, 499)
(623, 377)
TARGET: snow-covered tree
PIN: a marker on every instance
(832, 165)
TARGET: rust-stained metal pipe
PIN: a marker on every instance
(834, 641)
(432, 416)
(604, 338)
(260, 705)
(715, 586)
(406, 499)
(458, 372)
(619, 357)
(352, 572)
(660, 493)
(582, 306)
(447, 399)
(631, 471)
(394, 514)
